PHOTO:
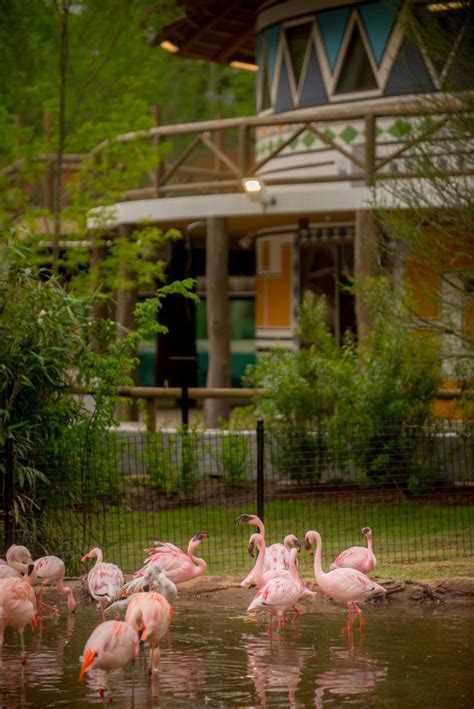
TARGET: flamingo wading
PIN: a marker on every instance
(111, 645)
(17, 608)
(177, 565)
(345, 585)
(103, 580)
(150, 613)
(277, 556)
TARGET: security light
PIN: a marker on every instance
(257, 191)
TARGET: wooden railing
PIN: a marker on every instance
(231, 164)
(152, 395)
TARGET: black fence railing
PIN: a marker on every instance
(413, 486)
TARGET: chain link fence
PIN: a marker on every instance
(413, 486)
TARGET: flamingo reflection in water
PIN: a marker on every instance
(353, 671)
(275, 666)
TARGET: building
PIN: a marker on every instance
(338, 95)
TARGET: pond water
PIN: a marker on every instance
(216, 656)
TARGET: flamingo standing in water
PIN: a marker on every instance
(345, 585)
(47, 570)
(150, 613)
(17, 608)
(177, 565)
(279, 594)
(277, 556)
(154, 579)
(360, 558)
(111, 645)
(17, 563)
(103, 580)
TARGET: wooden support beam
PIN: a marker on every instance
(218, 326)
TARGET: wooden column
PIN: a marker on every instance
(125, 304)
(366, 261)
(218, 327)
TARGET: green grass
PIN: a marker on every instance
(411, 540)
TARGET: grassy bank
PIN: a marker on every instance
(411, 539)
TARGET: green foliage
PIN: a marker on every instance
(232, 453)
(380, 392)
(172, 461)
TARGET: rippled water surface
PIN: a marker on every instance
(217, 657)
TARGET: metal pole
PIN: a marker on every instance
(260, 468)
(184, 406)
(8, 494)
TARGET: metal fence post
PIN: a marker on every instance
(260, 468)
(8, 494)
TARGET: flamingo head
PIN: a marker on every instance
(308, 542)
(89, 657)
(366, 532)
(256, 540)
(199, 536)
(245, 519)
(292, 541)
(92, 554)
(18, 553)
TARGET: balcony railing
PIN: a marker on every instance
(371, 144)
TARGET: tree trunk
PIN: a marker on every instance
(218, 328)
(366, 262)
(125, 305)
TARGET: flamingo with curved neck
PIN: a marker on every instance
(277, 556)
(260, 576)
(357, 557)
(103, 580)
(343, 584)
(279, 594)
(18, 562)
(177, 565)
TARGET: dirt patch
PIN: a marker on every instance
(226, 590)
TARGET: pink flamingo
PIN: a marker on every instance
(103, 580)
(154, 579)
(177, 565)
(345, 585)
(277, 556)
(111, 645)
(18, 562)
(17, 608)
(360, 558)
(51, 569)
(150, 613)
(278, 595)
(262, 577)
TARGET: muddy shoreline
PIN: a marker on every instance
(226, 590)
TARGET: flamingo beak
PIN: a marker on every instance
(84, 559)
(146, 587)
(251, 548)
(89, 658)
(297, 544)
(201, 535)
(365, 532)
(31, 568)
(243, 519)
(308, 547)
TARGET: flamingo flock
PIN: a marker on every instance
(147, 599)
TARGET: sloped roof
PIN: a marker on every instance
(218, 30)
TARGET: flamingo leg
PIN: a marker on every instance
(296, 614)
(23, 652)
(350, 618)
(358, 613)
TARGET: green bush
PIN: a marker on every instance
(369, 398)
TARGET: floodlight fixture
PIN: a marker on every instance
(257, 191)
